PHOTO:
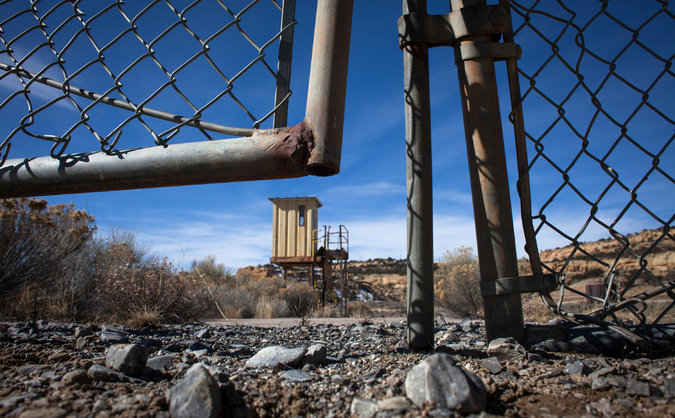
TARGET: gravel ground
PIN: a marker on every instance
(54, 370)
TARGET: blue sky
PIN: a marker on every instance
(233, 221)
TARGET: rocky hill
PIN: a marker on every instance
(385, 279)
(659, 254)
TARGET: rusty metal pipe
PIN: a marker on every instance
(328, 84)
(269, 154)
(419, 191)
(489, 187)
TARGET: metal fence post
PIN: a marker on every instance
(283, 88)
(489, 182)
(420, 280)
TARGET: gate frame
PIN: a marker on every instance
(311, 147)
(472, 28)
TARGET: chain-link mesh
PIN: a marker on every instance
(127, 74)
(596, 96)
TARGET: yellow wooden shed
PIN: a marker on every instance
(293, 224)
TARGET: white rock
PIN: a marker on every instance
(276, 355)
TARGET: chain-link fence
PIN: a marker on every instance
(76, 76)
(596, 157)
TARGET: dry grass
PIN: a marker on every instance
(359, 309)
(268, 307)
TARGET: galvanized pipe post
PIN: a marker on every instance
(327, 88)
(420, 252)
(489, 181)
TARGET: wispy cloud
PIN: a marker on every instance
(370, 189)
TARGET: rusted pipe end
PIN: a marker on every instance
(322, 170)
(297, 144)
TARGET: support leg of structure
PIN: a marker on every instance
(420, 281)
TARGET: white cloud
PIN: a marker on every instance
(386, 236)
(369, 189)
(243, 239)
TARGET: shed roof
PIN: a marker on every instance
(305, 198)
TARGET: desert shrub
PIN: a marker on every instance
(148, 294)
(269, 307)
(266, 287)
(207, 269)
(300, 298)
(132, 287)
(457, 283)
(237, 302)
(41, 253)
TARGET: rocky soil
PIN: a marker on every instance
(360, 369)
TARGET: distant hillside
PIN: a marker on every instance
(385, 279)
(660, 259)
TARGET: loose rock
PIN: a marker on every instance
(76, 377)
(576, 368)
(275, 356)
(315, 355)
(506, 349)
(84, 331)
(636, 387)
(112, 335)
(397, 403)
(104, 374)
(492, 364)
(195, 395)
(296, 376)
(160, 363)
(437, 379)
(363, 408)
(129, 359)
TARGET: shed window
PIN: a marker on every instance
(301, 217)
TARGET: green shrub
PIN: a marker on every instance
(457, 283)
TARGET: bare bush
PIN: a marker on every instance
(134, 288)
(457, 283)
(41, 253)
(300, 298)
(237, 303)
(266, 287)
